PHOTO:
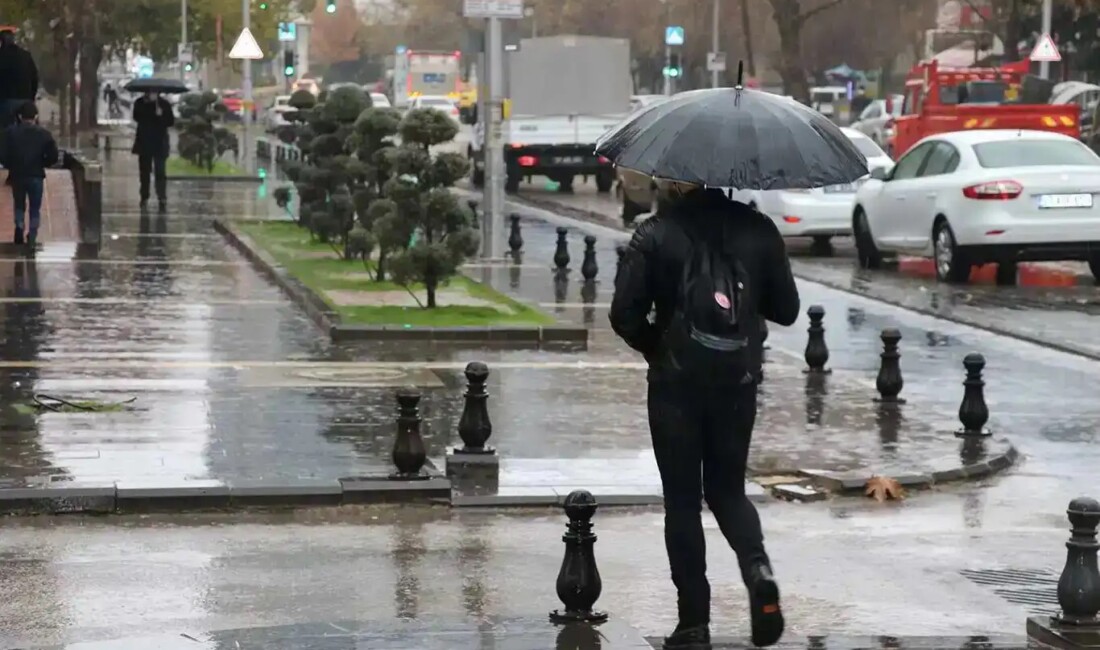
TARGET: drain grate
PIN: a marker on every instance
(1034, 589)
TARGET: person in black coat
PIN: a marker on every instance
(701, 426)
(153, 116)
(27, 150)
(18, 77)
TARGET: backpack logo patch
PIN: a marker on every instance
(722, 299)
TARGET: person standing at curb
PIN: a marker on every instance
(153, 116)
(27, 151)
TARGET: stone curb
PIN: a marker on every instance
(237, 178)
(848, 483)
(122, 497)
(607, 497)
(573, 337)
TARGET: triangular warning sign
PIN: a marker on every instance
(246, 47)
(1045, 50)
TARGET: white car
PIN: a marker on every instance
(275, 115)
(975, 197)
(823, 212)
(378, 100)
(438, 102)
(877, 123)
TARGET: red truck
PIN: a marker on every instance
(940, 99)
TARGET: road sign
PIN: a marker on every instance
(246, 47)
(184, 53)
(1045, 50)
(288, 32)
(674, 35)
(511, 9)
(716, 61)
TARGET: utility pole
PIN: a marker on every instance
(1044, 66)
(668, 50)
(246, 86)
(493, 145)
(714, 42)
(183, 39)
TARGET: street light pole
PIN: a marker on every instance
(246, 87)
(183, 39)
(1044, 66)
(668, 50)
(714, 43)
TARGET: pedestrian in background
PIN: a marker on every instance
(27, 151)
(153, 116)
(713, 269)
(18, 77)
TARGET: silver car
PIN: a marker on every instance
(877, 120)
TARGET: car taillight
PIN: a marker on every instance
(527, 161)
(604, 161)
(994, 191)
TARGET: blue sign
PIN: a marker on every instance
(401, 49)
(288, 32)
(674, 35)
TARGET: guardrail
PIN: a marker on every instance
(88, 187)
(276, 150)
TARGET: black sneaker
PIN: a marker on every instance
(162, 206)
(767, 616)
(18, 240)
(696, 637)
(32, 239)
(144, 204)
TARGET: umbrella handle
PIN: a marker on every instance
(740, 73)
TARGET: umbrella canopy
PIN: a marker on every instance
(734, 138)
(152, 84)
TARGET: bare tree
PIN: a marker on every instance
(790, 17)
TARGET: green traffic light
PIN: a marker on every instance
(331, 8)
(263, 6)
(189, 67)
(288, 71)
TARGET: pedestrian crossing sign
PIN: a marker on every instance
(246, 47)
(1045, 50)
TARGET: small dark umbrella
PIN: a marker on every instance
(155, 85)
(735, 138)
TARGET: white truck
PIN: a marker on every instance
(564, 92)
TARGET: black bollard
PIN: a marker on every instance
(889, 381)
(409, 454)
(515, 237)
(1079, 586)
(579, 583)
(589, 268)
(817, 353)
(474, 426)
(973, 412)
(561, 253)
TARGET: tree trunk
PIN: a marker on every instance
(380, 270)
(430, 285)
(91, 55)
(1013, 31)
(788, 22)
(746, 31)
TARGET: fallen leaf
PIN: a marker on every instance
(881, 488)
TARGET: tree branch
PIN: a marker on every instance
(806, 15)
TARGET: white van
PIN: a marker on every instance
(822, 98)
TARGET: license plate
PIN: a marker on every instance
(1065, 201)
(569, 160)
(846, 188)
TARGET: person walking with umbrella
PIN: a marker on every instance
(153, 116)
(713, 269)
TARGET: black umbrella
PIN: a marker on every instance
(156, 85)
(735, 137)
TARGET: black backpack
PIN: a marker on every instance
(711, 333)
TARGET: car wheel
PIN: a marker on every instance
(604, 181)
(867, 253)
(951, 263)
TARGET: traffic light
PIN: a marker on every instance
(288, 63)
(188, 67)
(330, 7)
(263, 5)
(674, 69)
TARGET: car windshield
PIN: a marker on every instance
(1033, 153)
(867, 147)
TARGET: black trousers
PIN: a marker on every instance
(153, 165)
(701, 437)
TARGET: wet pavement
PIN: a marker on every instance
(920, 568)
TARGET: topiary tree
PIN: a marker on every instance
(419, 203)
(201, 142)
(372, 140)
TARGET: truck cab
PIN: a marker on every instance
(940, 100)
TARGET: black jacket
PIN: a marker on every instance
(653, 266)
(151, 138)
(18, 74)
(28, 150)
